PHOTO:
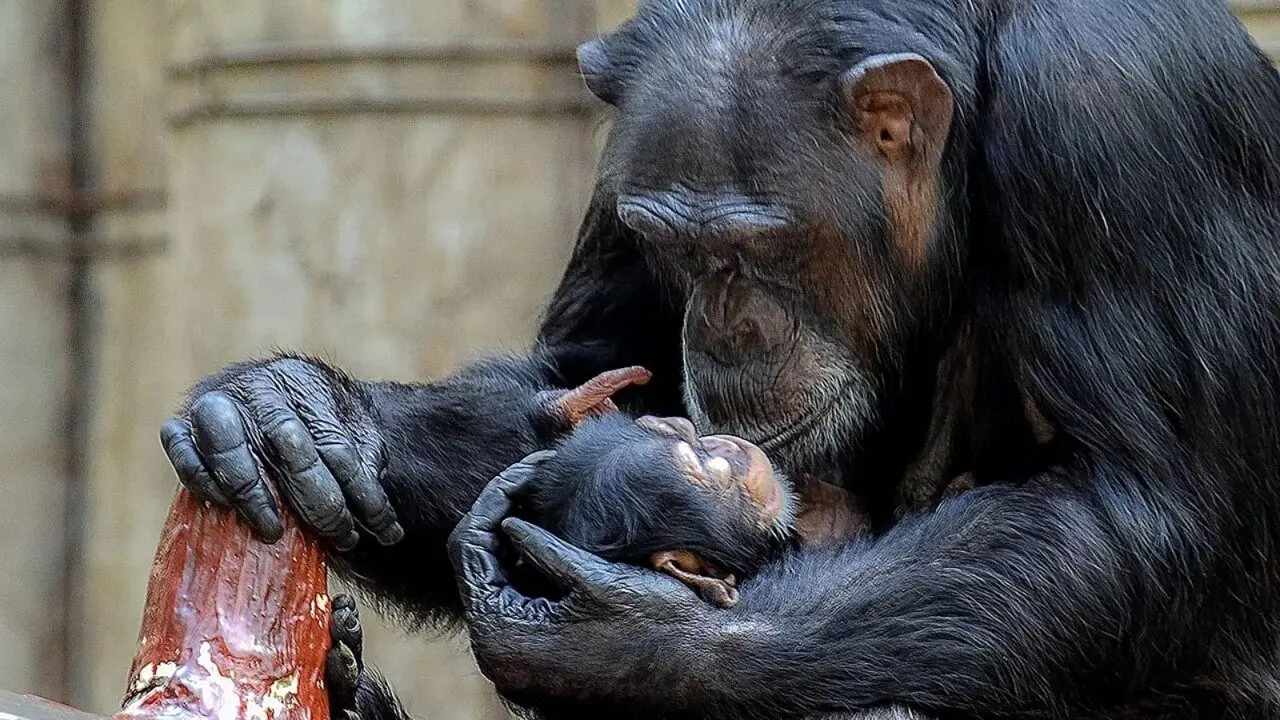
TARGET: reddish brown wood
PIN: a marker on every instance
(233, 629)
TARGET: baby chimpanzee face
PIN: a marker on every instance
(649, 491)
(723, 462)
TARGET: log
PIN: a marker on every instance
(233, 629)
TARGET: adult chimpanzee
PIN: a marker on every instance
(800, 203)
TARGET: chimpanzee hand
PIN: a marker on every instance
(621, 633)
(356, 691)
(345, 662)
(310, 424)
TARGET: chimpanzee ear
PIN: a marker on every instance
(711, 584)
(598, 70)
(901, 106)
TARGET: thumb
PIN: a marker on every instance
(574, 568)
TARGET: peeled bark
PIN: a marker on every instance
(234, 629)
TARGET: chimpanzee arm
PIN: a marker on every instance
(405, 460)
(443, 441)
(1008, 600)
(1020, 601)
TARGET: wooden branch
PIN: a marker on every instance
(233, 629)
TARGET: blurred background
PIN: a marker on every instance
(391, 184)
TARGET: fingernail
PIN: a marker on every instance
(392, 535)
(348, 543)
(273, 530)
(515, 526)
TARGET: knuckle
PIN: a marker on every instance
(341, 459)
(217, 428)
(289, 435)
(215, 407)
(326, 515)
(272, 413)
(182, 455)
(376, 507)
(327, 504)
(238, 487)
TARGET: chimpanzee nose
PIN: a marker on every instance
(724, 320)
(728, 345)
(683, 428)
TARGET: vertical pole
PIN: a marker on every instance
(81, 346)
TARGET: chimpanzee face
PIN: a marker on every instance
(790, 192)
(733, 473)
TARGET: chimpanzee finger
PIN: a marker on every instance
(342, 678)
(175, 437)
(473, 545)
(594, 396)
(367, 498)
(574, 568)
(221, 441)
(344, 626)
(356, 472)
(312, 489)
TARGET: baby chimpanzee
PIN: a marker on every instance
(649, 491)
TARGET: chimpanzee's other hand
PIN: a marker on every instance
(306, 421)
(356, 690)
(621, 633)
(345, 662)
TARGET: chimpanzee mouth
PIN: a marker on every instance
(798, 443)
(790, 434)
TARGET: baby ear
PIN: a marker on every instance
(712, 585)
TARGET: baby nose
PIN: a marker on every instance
(683, 428)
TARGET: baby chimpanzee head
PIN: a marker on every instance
(650, 492)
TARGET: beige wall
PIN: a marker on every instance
(33, 338)
(1262, 19)
(396, 189)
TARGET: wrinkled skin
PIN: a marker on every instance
(598, 592)
(322, 445)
